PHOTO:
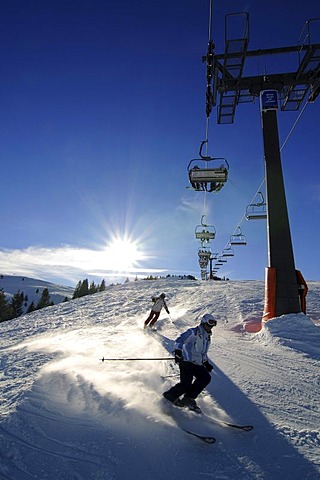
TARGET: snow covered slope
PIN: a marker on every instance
(66, 415)
(32, 287)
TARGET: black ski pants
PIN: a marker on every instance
(153, 317)
(189, 371)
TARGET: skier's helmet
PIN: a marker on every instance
(209, 320)
(163, 295)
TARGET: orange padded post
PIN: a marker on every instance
(270, 294)
(302, 290)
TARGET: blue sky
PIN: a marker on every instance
(103, 107)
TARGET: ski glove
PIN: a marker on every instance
(208, 366)
(178, 356)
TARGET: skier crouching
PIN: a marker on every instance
(190, 351)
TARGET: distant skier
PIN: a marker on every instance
(159, 302)
(190, 351)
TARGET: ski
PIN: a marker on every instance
(244, 428)
(204, 438)
(198, 411)
(169, 409)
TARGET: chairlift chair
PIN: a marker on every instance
(238, 238)
(204, 255)
(257, 211)
(223, 260)
(228, 252)
(205, 179)
(205, 233)
(204, 252)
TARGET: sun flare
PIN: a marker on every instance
(123, 254)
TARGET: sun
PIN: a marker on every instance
(123, 254)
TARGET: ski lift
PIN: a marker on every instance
(205, 232)
(228, 252)
(257, 211)
(204, 255)
(203, 274)
(223, 260)
(204, 179)
(238, 238)
(204, 235)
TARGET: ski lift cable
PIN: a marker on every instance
(294, 126)
(210, 21)
(204, 211)
(207, 116)
(206, 141)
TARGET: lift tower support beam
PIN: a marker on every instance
(282, 296)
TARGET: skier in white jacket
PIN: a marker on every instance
(190, 352)
(159, 302)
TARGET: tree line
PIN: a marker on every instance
(83, 288)
(18, 304)
(15, 307)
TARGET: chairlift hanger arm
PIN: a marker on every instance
(201, 221)
(204, 157)
(207, 157)
(262, 202)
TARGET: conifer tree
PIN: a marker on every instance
(31, 307)
(81, 289)
(45, 300)
(17, 304)
(4, 310)
(84, 288)
(77, 290)
(93, 288)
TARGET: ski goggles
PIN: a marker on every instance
(211, 322)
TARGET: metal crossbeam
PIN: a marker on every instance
(233, 88)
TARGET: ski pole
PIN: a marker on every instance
(133, 359)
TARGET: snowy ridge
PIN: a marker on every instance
(67, 415)
(32, 287)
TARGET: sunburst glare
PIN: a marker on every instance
(123, 254)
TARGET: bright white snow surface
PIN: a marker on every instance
(66, 415)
